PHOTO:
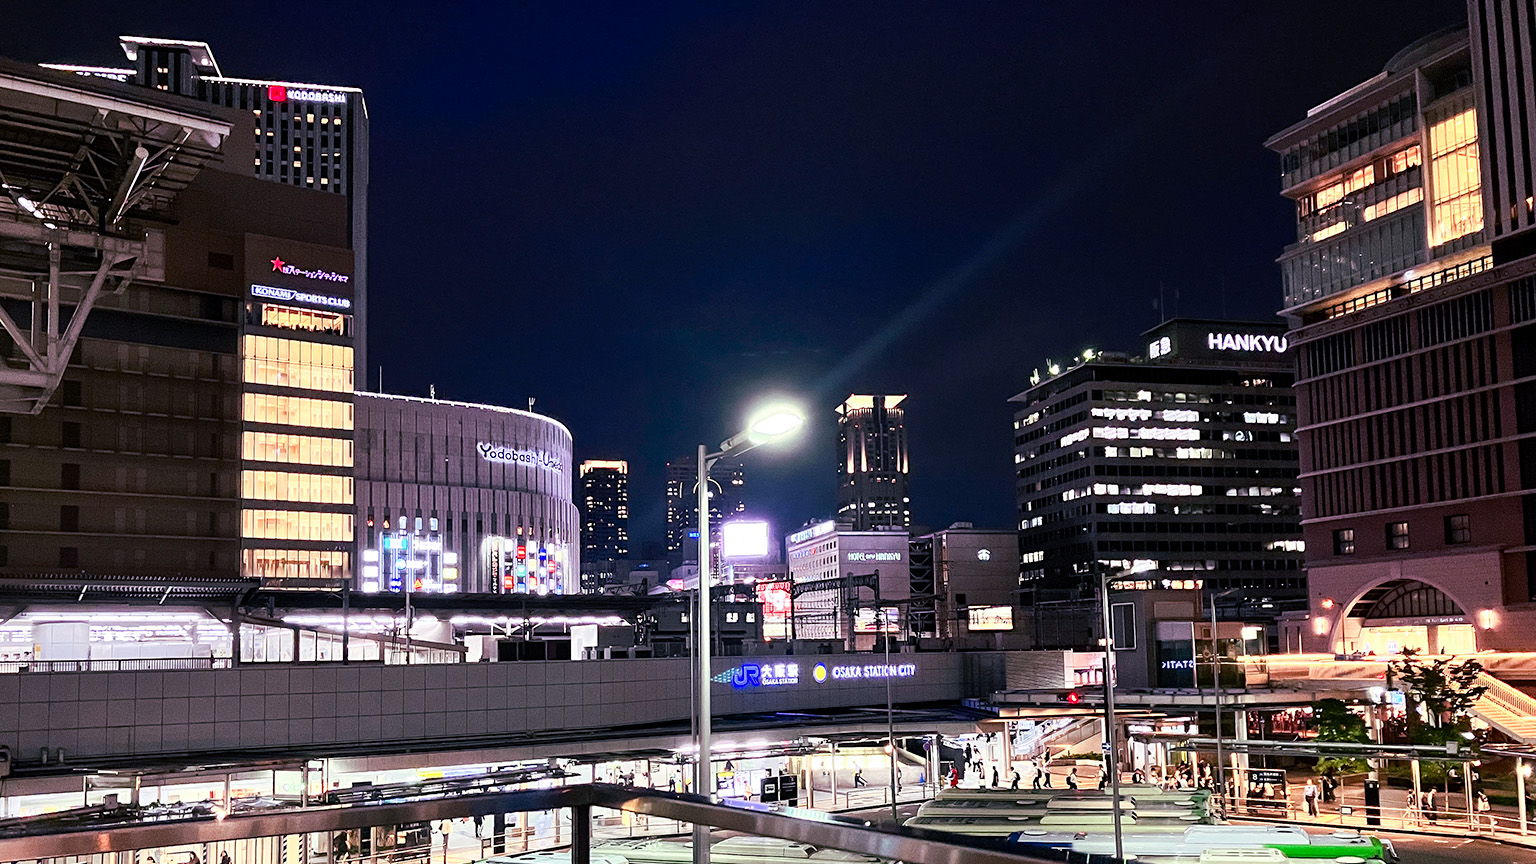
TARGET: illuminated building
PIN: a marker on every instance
(203, 374)
(1412, 302)
(457, 497)
(872, 462)
(839, 573)
(727, 486)
(314, 136)
(604, 501)
(296, 448)
(1180, 464)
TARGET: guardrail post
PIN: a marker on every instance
(581, 834)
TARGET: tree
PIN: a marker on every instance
(1446, 690)
(1333, 721)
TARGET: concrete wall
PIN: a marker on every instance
(320, 709)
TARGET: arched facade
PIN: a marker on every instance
(1358, 606)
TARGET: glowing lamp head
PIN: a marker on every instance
(774, 422)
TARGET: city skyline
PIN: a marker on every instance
(763, 188)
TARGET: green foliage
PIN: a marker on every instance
(1447, 691)
(1333, 721)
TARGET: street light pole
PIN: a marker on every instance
(1110, 762)
(703, 778)
(890, 719)
(1221, 770)
(767, 426)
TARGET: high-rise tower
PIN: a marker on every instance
(604, 500)
(872, 462)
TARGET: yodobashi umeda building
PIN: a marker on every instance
(457, 497)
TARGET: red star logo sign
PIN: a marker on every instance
(277, 265)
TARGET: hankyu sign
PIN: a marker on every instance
(288, 295)
(502, 453)
(283, 267)
(1263, 342)
(873, 556)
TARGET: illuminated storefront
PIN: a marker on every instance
(453, 497)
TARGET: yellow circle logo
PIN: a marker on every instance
(819, 673)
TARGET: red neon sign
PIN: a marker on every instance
(277, 93)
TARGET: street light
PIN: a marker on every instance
(770, 423)
(1221, 781)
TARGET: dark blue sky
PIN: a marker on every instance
(643, 214)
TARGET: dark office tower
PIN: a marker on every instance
(1503, 43)
(727, 486)
(872, 463)
(309, 135)
(1179, 465)
(168, 370)
(604, 500)
(1413, 317)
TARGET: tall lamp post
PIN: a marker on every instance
(1111, 760)
(767, 425)
(1221, 780)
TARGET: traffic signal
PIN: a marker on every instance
(1071, 697)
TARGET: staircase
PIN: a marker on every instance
(1507, 709)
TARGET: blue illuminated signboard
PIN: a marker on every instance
(750, 675)
(288, 295)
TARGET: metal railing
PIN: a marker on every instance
(97, 843)
(135, 665)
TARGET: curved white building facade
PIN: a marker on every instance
(457, 497)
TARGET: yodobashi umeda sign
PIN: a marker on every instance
(1261, 342)
(507, 455)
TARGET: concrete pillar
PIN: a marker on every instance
(833, 781)
(1240, 721)
(1520, 791)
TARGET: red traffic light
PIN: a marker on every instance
(1073, 698)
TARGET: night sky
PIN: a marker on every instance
(645, 215)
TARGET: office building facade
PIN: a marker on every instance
(1417, 449)
(964, 581)
(1179, 465)
(196, 367)
(454, 497)
(727, 499)
(847, 585)
(603, 497)
(872, 470)
(314, 136)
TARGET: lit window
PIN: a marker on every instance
(1344, 541)
(1397, 535)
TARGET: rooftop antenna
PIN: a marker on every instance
(432, 392)
(381, 377)
(531, 400)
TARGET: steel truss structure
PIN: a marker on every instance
(87, 167)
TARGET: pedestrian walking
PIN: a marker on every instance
(1072, 778)
(1309, 797)
(1034, 781)
(1016, 779)
(858, 778)
(954, 778)
(1430, 808)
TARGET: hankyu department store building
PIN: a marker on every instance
(454, 497)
